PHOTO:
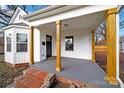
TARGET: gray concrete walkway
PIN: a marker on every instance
(76, 69)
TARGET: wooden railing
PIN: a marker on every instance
(101, 56)
(100, 48)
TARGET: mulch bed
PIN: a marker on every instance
(8, 74)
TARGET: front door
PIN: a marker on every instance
(48, 46)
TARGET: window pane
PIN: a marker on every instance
(9, 47)
(69, 47)
(21, 37)
(8, 39)
(21, 47)
(69, 43)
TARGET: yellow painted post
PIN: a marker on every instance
(58, 45)
(93, 47)
(32, 45)
(111, 46)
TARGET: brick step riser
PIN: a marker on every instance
(20, 85)
(32, 85)
(35, 76)
(20, 82)
(32, 78)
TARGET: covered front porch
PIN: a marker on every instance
(86, 19)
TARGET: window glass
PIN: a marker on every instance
(21, 42)
(69, 43)
(9, 47)
(8, 39)
(21, 37)
(8, 42)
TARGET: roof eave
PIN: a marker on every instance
(17, 26)
(49, 12)
(42, 11)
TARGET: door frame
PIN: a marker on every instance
(51, 45)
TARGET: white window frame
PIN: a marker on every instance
(21, 42)
(9, 42)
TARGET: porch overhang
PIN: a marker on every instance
(61, 12)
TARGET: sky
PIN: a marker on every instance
(31, 9)
(121, 17)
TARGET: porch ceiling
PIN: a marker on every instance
(88, 22)
(62, 12)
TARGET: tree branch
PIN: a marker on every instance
(4, 14)
(4, 19)
(3, 23)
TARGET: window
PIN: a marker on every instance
(21, 42)
(9, 42)
(69, 43)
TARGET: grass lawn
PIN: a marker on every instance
(8, 74)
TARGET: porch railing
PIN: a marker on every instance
(101, 56)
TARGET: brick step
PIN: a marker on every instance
(28, 82)
(32, 72)
(34, 78)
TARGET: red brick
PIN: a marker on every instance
(33, 78)
(37, 74)
(28, 82)
(78, 84)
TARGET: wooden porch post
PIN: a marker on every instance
(58, 45)
(31, 45)
(93, 47)
(111, 46)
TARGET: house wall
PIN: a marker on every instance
(43, 34)
(122, 44)
(82, 44)
(14, 57)
(122, 47)
(8, 57)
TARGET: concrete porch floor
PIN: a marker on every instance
(76, 69)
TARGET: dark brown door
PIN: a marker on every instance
(48, 46)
